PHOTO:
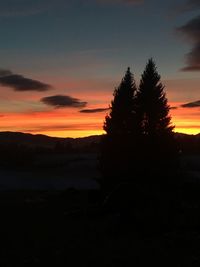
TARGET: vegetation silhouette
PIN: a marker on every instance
(117, 144)
(120, 120)
(139, 144)
(157, 147)
(139, 155)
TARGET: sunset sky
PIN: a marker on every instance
(62, 59)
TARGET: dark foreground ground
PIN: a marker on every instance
(137, 226)
(70, 228)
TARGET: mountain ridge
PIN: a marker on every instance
(21, 138)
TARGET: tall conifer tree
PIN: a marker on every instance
(120, 119)
(152, 105)
(157, 149)
(116, 159)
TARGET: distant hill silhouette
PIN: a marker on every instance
(26, 139)
(187, 143)
(39, 140)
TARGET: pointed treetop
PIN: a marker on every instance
(128, 79)
(128, 72)
(119, 121)
(150, 72)
(152, 102)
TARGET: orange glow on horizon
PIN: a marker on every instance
(70, 122)
(185, 120)
(85, 133)
(192, 131)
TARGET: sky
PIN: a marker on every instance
(60, 61)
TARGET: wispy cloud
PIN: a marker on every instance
(191, 31)
(95, 110)
(21, 83)
(194, 104)
(63, 101)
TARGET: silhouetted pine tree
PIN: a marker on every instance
(157, 139)
(120, 119)
(153, 108)
(119, 126)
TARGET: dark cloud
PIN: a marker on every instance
(63, 101)
(173, 107)
(95, 110)
(20, 83)
(194, 104)
(191, 31)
